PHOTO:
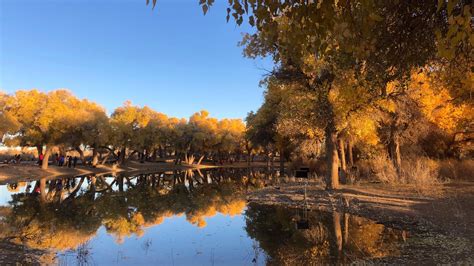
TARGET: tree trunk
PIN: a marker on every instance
(120, 183)
(332, 179)
(349, 152)
(398, 157)
(44, 165)
(332, 160)
(337, 231)
(346, 229)
(81, 155)
(122, 156)
(282, 164)
(343, 158)
(160, 149)
(95, 157)
(42, 189)
(105, 158)
(200, 160)
(343, 155)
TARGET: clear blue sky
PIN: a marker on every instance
(173, 58)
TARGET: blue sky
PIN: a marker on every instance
(173, 58)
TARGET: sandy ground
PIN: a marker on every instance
(28, 171)
(447, 209)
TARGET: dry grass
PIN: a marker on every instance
(457, 169)
(383, 170)
(419, 171)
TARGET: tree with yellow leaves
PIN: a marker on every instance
(381, 41)
(8, 123)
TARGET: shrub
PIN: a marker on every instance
(420, 171)
(383, 170)
(457, 169)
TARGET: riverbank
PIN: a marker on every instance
(26, 172)
(441, 215)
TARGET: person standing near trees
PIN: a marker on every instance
(40, 157)
(75, 161)
(69, 162)
(61, 160)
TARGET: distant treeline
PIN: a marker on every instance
(57, 122)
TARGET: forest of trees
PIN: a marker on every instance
(384, 77)
(377, 75)
(59, 122)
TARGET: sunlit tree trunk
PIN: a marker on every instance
(332, 158)
(93, 182)
(44, 164)
(336, 218)
(346, 229)
(398, 156)
(95, 157)
(343, 158)
(43, 189)
(104, 160)
(200, 159)
(81, 155)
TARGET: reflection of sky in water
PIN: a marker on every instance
(223, 241)
(5, 195)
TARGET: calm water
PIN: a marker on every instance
(186, 218)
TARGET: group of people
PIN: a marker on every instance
(68, 160)
(15, 159)
(61, 160)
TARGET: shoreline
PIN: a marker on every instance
(27, 172)
(31, 171)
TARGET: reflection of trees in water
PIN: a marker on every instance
(65, 213)
(332, 237)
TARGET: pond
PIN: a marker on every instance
(179, 218)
